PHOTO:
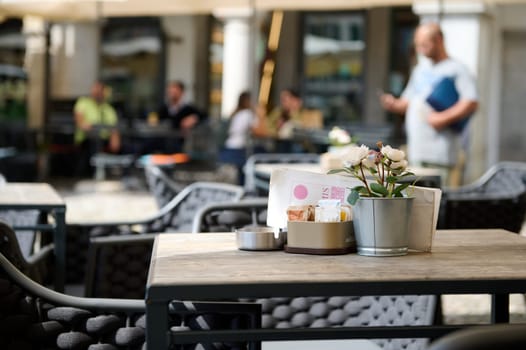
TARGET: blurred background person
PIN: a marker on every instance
(431, 140)
(281, 120)
(242, 123)
(181, 114)
(96, 127)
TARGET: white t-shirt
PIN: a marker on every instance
(424, 143)
(240, 125)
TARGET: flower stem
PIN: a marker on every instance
(364, 180)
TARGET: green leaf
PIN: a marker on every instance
(336, 171)
(379, 189)
(353, 197)
(358, 188)
(364, 192)
(407, 174)
(392, 179)
(373, 170)
(399, 189)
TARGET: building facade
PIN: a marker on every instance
(339, 60)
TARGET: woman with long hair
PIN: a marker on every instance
(242, 121)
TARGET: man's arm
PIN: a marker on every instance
(80, 121)
(461, 109)
(393, 104)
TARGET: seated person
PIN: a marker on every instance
(281, 121)
(182, 115)
(96, 127)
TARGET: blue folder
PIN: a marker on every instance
(443, 96)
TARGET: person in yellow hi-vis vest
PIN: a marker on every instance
(96, 127)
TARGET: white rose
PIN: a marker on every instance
(355, 155)
(368, 162)
(393, 154)
(401, 165)
(339, 136)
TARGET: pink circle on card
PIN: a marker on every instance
(300, 192)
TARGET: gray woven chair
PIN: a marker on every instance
(34, 317)
(34, 246)
(160, 185)
(118, 266)
(175, 216)
(496, 200)
(226, 217)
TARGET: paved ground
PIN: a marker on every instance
(112, 201)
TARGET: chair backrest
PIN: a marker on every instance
(36, 265)
(118, 266)
(250, 165)
(160, 185)
(178, 214)
(496, 200)
(502, 336)
(226, 217)
(23, 218)
(503, 179)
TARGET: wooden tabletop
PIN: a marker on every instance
(213, 259)
(18, 194)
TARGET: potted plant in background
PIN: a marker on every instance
(381, 208)
(340, 141)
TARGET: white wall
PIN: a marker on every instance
(74, 59)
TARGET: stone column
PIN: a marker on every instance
(35, 61)
(238, 56)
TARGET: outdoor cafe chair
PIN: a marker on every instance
(35, 317)
(33, 245)
(118, 266)
(176, 216)
(34, 263)
(227, 216)
(496, 200)
(160, 185)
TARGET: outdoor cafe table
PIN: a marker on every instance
(42, 197)
(210, 267)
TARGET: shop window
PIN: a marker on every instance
(402, 50)
(333, 64)
(13, 78)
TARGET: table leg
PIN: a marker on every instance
(157, 325)
(60, 248)
(500, 312)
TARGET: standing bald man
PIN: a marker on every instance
(431, 140)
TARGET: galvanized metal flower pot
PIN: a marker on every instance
(381, 225)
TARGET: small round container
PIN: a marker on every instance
(259, 238)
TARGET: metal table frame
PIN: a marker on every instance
(158, 296)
